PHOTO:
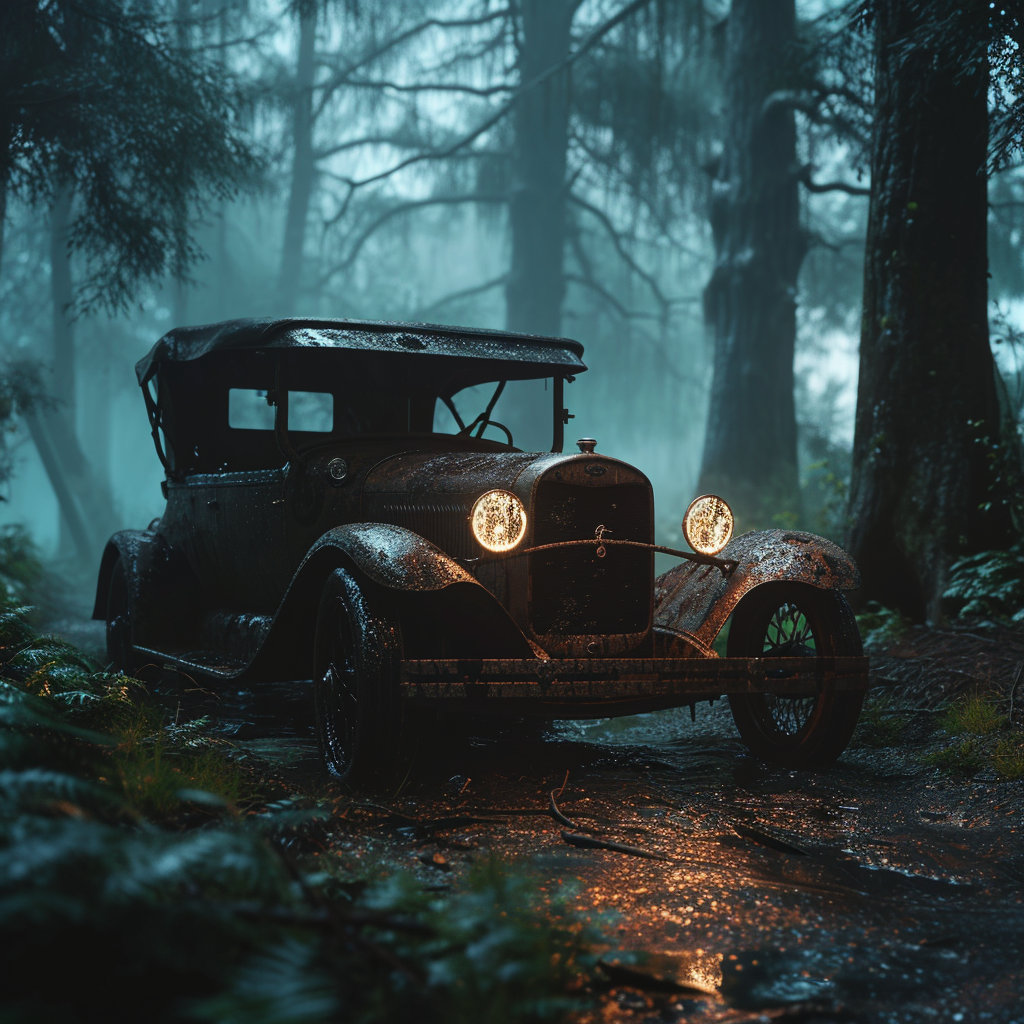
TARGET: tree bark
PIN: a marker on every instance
(62, 296)
(921, 486)
(750, 302)
(537, 207)
(3, 215)
(179, 287)
(303, 167)
(86, 504)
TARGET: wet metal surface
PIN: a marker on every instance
(695, 600)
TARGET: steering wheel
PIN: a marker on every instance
(494, 423)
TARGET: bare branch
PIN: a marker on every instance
(599, 33)
(464, 293)
(616, 239)
(394, 211)
(472, 90)
(833, 186)
(610, 299)
(342, 76)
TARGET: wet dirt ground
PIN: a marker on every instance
(879, 890)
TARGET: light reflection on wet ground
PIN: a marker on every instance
(875, 891)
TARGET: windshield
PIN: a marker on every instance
(515, 412)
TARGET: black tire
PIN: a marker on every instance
(356, 664)
(119, 622)
(793, 620)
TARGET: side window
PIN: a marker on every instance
(309, 411)
(249, 410)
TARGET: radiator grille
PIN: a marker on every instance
(572, 591)
(444, 523)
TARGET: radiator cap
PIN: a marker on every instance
(587, 445)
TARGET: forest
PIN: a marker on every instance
(789, 235)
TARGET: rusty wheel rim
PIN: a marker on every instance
(789, 634)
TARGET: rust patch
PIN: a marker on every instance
(695, 600)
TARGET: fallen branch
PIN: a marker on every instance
(560, 817)
(765, 839)
(620, 974)
(1013, 690)
(589, 842)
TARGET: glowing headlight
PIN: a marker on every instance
(707, 525)
(499, 520)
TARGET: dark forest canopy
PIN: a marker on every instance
(98, 98)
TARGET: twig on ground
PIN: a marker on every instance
(1013, 690)
(562, 819)
(574, 839)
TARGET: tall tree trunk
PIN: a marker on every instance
(536, 281)
(3, 215)
(303, 167)
(750, 446)
(86, 505)
(62, 297)
(179, 286)
(927, 380)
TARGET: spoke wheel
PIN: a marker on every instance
(356, 661)
(795, 620)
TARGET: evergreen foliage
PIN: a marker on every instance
(95, 96)
(988, 585)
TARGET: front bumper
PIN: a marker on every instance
(603, 687)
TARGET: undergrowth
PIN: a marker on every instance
(980, 738)
(880, 627)
(989, 585)
(881, 723)
(147, 872)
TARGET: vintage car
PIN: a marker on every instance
(324, 521)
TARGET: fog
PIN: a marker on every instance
(403, 224)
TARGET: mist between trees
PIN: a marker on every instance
(695, 190)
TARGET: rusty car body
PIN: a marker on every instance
(345, 553)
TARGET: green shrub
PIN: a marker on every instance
(1008, 758)
(880, 723)
(974, 715)
(964, 757)
(988, 585)
(880, 627)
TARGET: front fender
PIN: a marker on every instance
(693, 601)
(392, 556)
(441, 606)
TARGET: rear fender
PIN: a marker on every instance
(692, 601)
(443, 610)
(163, 594)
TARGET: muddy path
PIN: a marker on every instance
(878, 890)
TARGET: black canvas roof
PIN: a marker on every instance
(556, 355)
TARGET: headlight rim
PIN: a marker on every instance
(710, 551)
(490, 547)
